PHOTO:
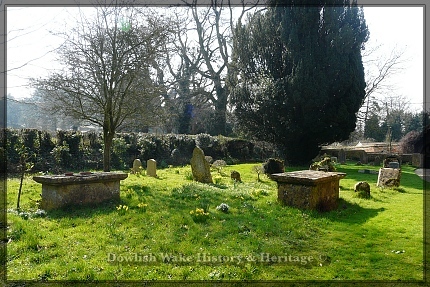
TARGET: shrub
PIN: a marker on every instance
(324, 164)
(273, 165)
(258, 169)
(406, 143)
(219, 165)
(203, 141)
(62, 156)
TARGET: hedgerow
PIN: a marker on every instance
(74, 150)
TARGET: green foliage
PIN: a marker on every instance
(301, 75)
(76, 151)
(62, 156)
(373, 130)
(324, 164)
(273, 165)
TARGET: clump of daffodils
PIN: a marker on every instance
(199, 215)
(142, 206)
(122, 209)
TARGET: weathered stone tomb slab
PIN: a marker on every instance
(389, 177)
(309, 189)
(79, 189)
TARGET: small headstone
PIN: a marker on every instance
(377, 160)
(200, 167)
(363, 188)
(393, 164)
(389, 177)
(391, 158)
(342, 156)
(151, 167)
(235, 175)
(137, 166)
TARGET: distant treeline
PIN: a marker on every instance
(74, 150)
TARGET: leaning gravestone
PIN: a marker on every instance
(151, 167)
(137, 166)
(200, 167)
(389, 177)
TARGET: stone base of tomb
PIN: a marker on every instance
(60, 191)
(309, 189)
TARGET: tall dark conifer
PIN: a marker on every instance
(300, 77)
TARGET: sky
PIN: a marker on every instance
(30, 46)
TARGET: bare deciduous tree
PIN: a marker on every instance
(209, 55)
(379, 69)
(106, 78)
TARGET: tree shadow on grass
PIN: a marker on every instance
(348, 212)
(84, 211)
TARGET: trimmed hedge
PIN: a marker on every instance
(74, 150)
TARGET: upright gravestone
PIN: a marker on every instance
(200, 167)
(151, 167)
(137, 166)
(342, 156)
(363, 157)
(377, 161)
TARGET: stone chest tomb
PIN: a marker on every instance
(79, 189)
(309, 189)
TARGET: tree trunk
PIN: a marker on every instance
(220, 111)
(107, 139)
(20, 187)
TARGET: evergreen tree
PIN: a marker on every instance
(372, 130)
(300, 77)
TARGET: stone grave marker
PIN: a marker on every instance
(377, 161)
(137, 166)
(342, 156)
(363, 188)
(393, 164)
(151, 167)
(200, 167)
(363, 157)
(235, 175)
(309, 189)
(389, 177)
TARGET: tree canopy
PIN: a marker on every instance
(299, 75)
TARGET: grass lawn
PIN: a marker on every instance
(169, 228)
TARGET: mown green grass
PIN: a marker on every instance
(358, 241)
